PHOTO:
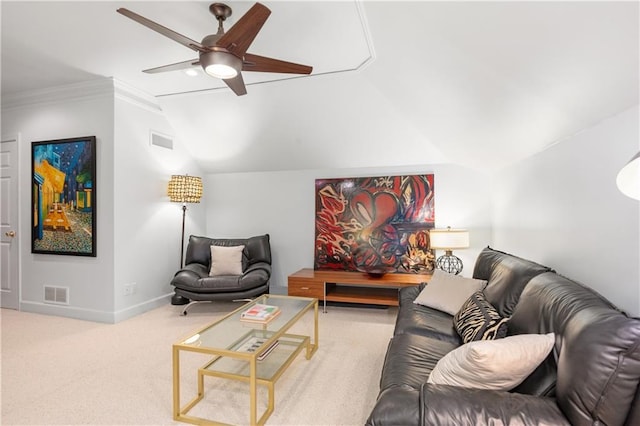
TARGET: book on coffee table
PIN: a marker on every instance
(260, 313)
(254, 342)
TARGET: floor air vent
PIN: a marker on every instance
(59, 295)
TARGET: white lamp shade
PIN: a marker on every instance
(628, 179)
(449, 239)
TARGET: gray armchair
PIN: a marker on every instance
(193, 283)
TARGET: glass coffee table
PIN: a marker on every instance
(238, 348)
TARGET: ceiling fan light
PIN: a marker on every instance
(221, 64)
(221, 71)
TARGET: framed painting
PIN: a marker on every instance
(375, 225)
(63, 196)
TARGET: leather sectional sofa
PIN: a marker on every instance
(590, 377)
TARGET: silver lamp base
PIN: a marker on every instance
(449, 263)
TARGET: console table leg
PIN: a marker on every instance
(324, 298)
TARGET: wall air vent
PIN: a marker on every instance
(57, 295)
(163, 141)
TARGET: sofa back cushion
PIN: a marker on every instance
(507, 275)
(256, 249)
(485, 262)
(595, 363)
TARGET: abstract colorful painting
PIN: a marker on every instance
(375, 225)
(63, 197)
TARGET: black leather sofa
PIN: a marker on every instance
(590, 377)
(193, 282)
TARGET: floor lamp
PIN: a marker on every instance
(447, 240)
(184, 189)
(628, 179)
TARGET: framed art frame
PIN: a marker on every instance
(375, 225)
(63, 196)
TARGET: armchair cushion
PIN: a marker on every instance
(226, 260)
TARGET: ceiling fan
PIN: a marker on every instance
(224, 54)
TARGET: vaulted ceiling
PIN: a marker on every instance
(481, 84)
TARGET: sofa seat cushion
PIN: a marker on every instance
(411, 358)
(195, 278)
(249, 293)
(207, 284)
(485, 407)
(417, 319)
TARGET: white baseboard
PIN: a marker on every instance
(141, 308)
(93, 315)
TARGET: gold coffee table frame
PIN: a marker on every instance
(223, 340)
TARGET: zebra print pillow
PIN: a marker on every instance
(478, 320)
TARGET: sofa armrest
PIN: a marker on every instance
(396, 405)
(255, 275)
(258, 266)
(448, 405)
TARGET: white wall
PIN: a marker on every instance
(147, 227)
(52, 115)
(282, 204)
(562, 208)
(138, 229)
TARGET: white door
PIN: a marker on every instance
(9, 250)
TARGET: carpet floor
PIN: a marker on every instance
(61, 371)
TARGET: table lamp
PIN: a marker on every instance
(447, 240)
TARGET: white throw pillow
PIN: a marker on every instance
(493, 364)
(226, 260)
(447, 292)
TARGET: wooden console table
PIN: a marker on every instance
(351, 287)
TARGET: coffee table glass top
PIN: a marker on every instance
(226, 333)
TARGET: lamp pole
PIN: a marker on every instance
(184, 213)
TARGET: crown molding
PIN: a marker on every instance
(94, 89)
(69, 92)
(140, 98)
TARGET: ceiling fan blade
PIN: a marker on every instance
(238, 39)
(173, 67)
(236, 84)
(264, 64)
(185, 41)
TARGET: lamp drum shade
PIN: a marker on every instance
(185, 189)
(628, 179)
(449, 239)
